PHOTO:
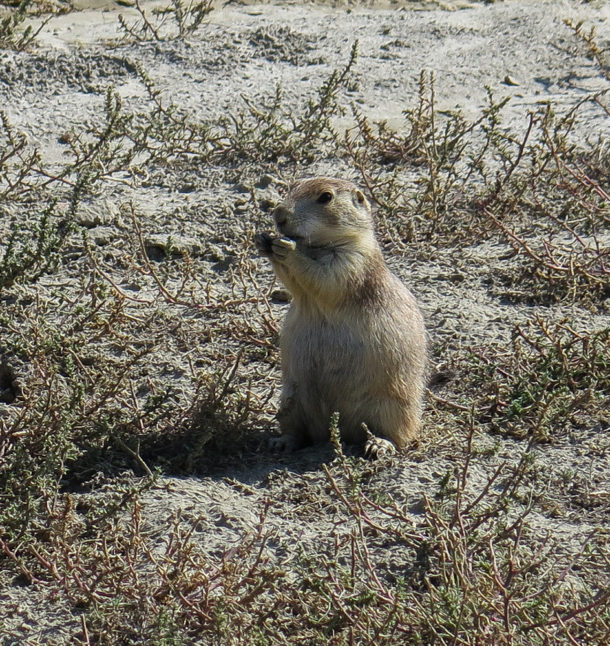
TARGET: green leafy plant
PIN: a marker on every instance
(32, 252)
(555, 377)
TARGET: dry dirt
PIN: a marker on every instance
(520, 49)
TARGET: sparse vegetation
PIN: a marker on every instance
(539, 190)
(176, 20)
(554, 378)
(139, 357)
(15, 33)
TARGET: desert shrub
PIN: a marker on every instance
(271, 132)
(71, 401)
(91, 373)
(470, 567)
(39, 230)
(459, 574)
(260, 132)
(164, 135)
(14, 33)
(176, 20)
(446, 181)
(552, 380)
(34, 250)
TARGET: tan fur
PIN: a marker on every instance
(353, 340)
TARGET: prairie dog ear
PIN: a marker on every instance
(359, 199)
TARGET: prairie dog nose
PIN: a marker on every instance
(280, 215)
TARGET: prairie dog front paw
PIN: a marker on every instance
(262, 242)
(282, 247)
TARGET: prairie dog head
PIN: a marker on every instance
(324, 212)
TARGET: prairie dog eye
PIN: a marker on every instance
(325, 197)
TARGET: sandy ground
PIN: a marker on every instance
(518, 48)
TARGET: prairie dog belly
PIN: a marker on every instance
(330, 366)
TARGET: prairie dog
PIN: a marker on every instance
(354, 339)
